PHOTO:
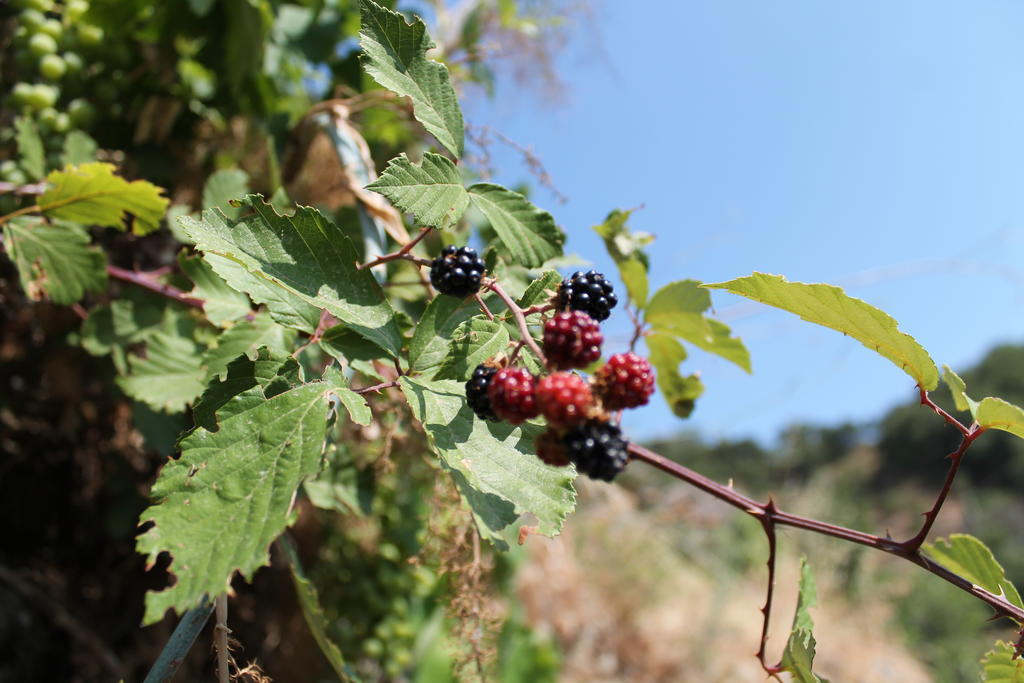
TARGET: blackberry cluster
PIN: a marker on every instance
(457, 272)
(580, 427)
(598, 449)
(589, 292)
(476, 392)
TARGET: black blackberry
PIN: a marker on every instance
(457, 271)
(589, 292)
(598, 449)
(476, 392)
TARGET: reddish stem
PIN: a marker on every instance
(402, 253)
(768, 524)
(377, 387)
(147, 281)
(927, 401)
(517, 313)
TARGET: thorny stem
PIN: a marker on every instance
(221, 632)
(326, 320)
(767, 511)
(147, 281)
(638, 327)
(402, 253)
(927, 401)
(539, 308)
(517, 313)
(768, 523)
(377, 387)
(483, 307)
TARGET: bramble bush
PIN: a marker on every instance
(311, 355)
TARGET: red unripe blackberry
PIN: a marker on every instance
(598, 449)
(625, 381)
(589, 292)
(564, 399)
(512, 395)
(572, 340)
(457, 272)
(476, 392)
(551, 449)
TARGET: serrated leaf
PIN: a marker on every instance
(995, 413)
(540, 289)
(129, 318)
(680, 393)
(1000, 665)
(356, 406)
(528, 233)
(394, 54)
(223, 186)
(30, 147)
(283, 305)
(626, 250)
(309, 601)
(433, 334)
(220, 505)
(831, 307)
(678, 309)
(353, 350)
(473, 342)
(958, 389)
(798, 657)
(54, 260)
(247, 337)
(305, 254)
(94, 195)
(971, 559)
(494, 465)
(168, 374)
(271, 374)
(222, 304)
(432, 190)
(79, 148)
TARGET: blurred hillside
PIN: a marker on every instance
(655, 581)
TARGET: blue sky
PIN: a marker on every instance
(876, 146)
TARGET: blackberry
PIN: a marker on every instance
(457, 272)
(476, 392)
(551, 449)
(513, 395)
(625, 381)
(572, 340)
(589, 292)
(564, 399)
(598, 449)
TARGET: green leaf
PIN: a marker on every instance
(679, 392)
(958, 389)
(79, 148)
(272, 374)
(223, 186)
(94, 195)
(309, 601)
(284, 306)
(798, 657)
(1000, 665)
(540, 289)
(433, 334)
(170, 373)
(432, 190)
(129, 318)
(473, 342)
(831, 307)
(627, 250)
(30, 147)
(222, 303)
(305, 254)
(995, 413)
(54, 260)
(394, 54)
(971, 559)
(247, 337)
(678, 309)
(356, 406)
(352, 349)
(494, 465)
(220, 505)
(529, 233)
